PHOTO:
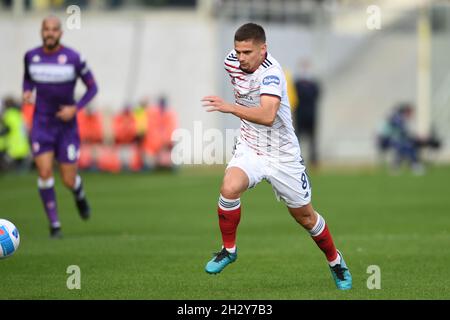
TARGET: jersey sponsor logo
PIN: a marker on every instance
(268, 80)
(52, 73)
(238, 95)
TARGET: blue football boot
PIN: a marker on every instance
(341, 275)
(220, 261)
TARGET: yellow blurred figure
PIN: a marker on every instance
(140, 117)
(292, 92)
(46, 4)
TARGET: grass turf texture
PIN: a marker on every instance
(151, 234)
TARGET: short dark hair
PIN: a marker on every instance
(250, 31)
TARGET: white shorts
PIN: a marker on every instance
(288, 179)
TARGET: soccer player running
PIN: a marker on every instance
(52, 70)
(266, 149)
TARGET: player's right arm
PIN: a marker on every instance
(270, 100)
(264, 114)
(28, 83)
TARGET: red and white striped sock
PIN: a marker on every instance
(322, 237)
(229, 211)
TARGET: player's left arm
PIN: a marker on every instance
(88, 79)
(67, 112)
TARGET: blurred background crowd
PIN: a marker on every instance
(136, 138)
(363, 92)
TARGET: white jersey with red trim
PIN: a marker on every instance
(279, 140)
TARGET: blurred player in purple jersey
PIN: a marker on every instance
(52, 71)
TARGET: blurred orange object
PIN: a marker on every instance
(90, 126)
(161, 124)
(86, 160)
(124, 127)
(108, 159)
(27, 114)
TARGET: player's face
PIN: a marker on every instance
(250, 54)
(51, 33)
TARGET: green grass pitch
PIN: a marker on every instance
(151, 234)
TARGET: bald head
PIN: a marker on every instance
(52, 20)
(51, 33)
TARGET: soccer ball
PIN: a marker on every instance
(9, 238)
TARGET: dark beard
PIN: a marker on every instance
(52, 46)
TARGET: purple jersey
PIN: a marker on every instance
(54, 76)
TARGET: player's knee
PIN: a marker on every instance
(45, 174)
(308, 221)
(305, 216)
(230, 191)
